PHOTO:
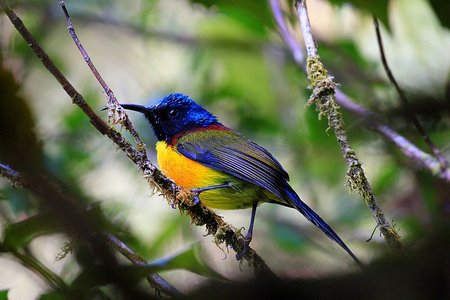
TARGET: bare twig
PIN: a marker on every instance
(154, 279)
(232, 238)
(112, 104)
(199, 214)
(218, 226)
(405, 102)
(324, 96)
(138, 260)
(371, 120)
(291, 42)
(12, 175)
(310, 44)
(35, 265)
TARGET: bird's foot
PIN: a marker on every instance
(185, 197)
(245, 247)
(196, 196)
(195, 200)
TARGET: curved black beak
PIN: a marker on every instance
(136, 107)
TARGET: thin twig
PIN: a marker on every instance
(310, 44)
(232, 237)
(184, 38)
(12, 175)
(405, 102)
(291, 42)
(199, 214)
(33, 264)
(139, 261)
(112, 104)
(370, 119)
(324, 96)
(154, 279)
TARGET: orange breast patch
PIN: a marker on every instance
(185, 172)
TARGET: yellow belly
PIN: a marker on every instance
(190, 174)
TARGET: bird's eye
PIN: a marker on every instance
(173, 113)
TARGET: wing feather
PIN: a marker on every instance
(230, 152)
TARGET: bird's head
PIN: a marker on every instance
(174, 114)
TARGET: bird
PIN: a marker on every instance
(221, 167)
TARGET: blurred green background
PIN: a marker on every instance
(228, 56)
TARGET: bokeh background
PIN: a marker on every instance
(229, 57)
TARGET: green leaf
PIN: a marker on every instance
(288, 238)
(387, 178)
(255, 15)
(189, 259)
(20, 234)
(20, 201)
(378, 8)
(4, 294)
(430, 194)
(53, 295)
(245, 75)
(93, 276)
(167, 233)
(442, 10)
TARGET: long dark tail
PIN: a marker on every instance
(318, 221)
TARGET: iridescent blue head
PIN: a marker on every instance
(174, 114)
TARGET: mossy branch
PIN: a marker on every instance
(200, 215)
(324, 97)
(369, 119)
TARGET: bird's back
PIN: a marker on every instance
(215, 156)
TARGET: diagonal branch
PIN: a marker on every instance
(112, 104)
(200, 215)
(405, 102)
(324, 96)
(289, 39)
(155, 280)
(9, 173)
(35, 265)
(371, 120)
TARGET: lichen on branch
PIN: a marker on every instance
(324, 97)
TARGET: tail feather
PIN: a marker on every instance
(314, 218)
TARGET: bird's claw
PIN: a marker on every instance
(245, 249)
(196, 196)
(196, 199)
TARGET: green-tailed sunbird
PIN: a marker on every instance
(224, 169)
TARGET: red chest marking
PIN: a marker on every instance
(175, 138)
